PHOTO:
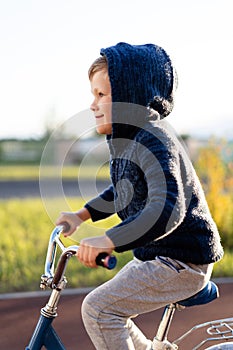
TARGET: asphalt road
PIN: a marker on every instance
(18, 317)
(51, 188)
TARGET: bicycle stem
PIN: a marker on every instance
(61, 266)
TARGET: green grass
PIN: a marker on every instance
(32, 172)
(25, 229)
(15, 172)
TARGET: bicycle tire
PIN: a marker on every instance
(222, 346)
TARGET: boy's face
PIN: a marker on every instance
(102, 104)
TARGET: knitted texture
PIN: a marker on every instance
(141, 74)
(159, 199)
(155, 190)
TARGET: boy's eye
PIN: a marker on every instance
(100, 94)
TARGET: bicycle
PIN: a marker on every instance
(45, 336)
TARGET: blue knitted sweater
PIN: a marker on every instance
(155, 190)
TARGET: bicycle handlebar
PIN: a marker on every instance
(103, 259)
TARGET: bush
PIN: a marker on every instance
(216, 176)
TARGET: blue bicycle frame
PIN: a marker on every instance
(45, 335)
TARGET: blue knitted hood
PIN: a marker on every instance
(141, 75)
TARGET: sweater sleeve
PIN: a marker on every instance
(165, 207)
(102, 206)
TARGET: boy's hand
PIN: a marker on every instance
(90, 248)
(72, 219)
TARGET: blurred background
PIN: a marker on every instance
(46, 48)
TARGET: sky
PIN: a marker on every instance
(47, 46)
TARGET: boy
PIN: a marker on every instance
(154, 191)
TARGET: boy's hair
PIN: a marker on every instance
(99, 64)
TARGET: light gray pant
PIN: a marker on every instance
(138, 288)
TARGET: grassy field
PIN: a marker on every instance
(25, 230)
(32, 172)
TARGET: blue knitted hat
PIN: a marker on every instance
(141, 74)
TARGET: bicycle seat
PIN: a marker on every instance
(206, 295)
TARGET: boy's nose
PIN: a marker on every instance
(93, 106)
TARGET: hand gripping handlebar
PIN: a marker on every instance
(53, 278)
